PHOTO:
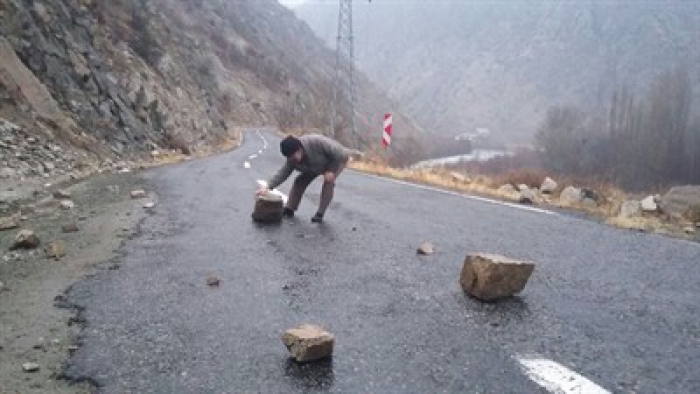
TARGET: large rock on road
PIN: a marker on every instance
(489, 277)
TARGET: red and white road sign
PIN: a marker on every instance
(386, 138)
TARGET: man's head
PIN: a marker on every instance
(292, 149)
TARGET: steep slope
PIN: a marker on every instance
(123, 77)
(458, 66)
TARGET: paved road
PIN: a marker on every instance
(606, 310)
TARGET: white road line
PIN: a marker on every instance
(246, 165)
(251, 157)
(260, 152)
(558, 378)
(467, 196)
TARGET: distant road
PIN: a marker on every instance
(606, 310)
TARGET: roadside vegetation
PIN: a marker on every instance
(604, 164)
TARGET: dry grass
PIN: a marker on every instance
(434, 177)
(610, 197)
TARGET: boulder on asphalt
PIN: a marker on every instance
(135, 194)
(213, 281)
(523, 187)
(25, 239)
(630, 208)
(680, 199)
(570, 196)
(548, 186)
(8, 223)
(268, 207)
(56, 250)
(308, 342)
(649, 204)
(426, 248)
(489, 277)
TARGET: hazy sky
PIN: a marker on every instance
(292, 3)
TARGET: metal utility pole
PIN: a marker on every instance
(344, 94)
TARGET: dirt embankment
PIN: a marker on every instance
(35, 325)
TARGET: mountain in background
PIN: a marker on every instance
(462, 66)
(127, 76)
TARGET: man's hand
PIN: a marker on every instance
(261, 191)
(329, 177)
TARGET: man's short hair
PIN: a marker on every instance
(290, 145)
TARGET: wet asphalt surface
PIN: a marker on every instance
(619, 307)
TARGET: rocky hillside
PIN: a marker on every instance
(458, 66)
(84, 80)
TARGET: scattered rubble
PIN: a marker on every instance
(30, 367)
(8, 223)
(426, 248)
(56, 250)
(25, 239)
(70, 228)
(213, 281)
(308, 343)
(489, 277)
(61, 195)
(67, 205)
(136, 194)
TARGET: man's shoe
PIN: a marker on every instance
(318, 218)
(288, 213)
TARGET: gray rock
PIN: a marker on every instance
(213, 281)
(527, 197)
(8, 223)
(426, 248)
(70, 228)
(548, 186)
(680, 199)
(649, 204)
(55, 250)
(457, 177)
(507, 189)
(267, 211)
(490, 277)
(61, 194)
(25, 239)
(589, 202)
(30, 367)
(138, 194)
(630, 208)
(570, 196)
(67, 205)
(308, 342)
